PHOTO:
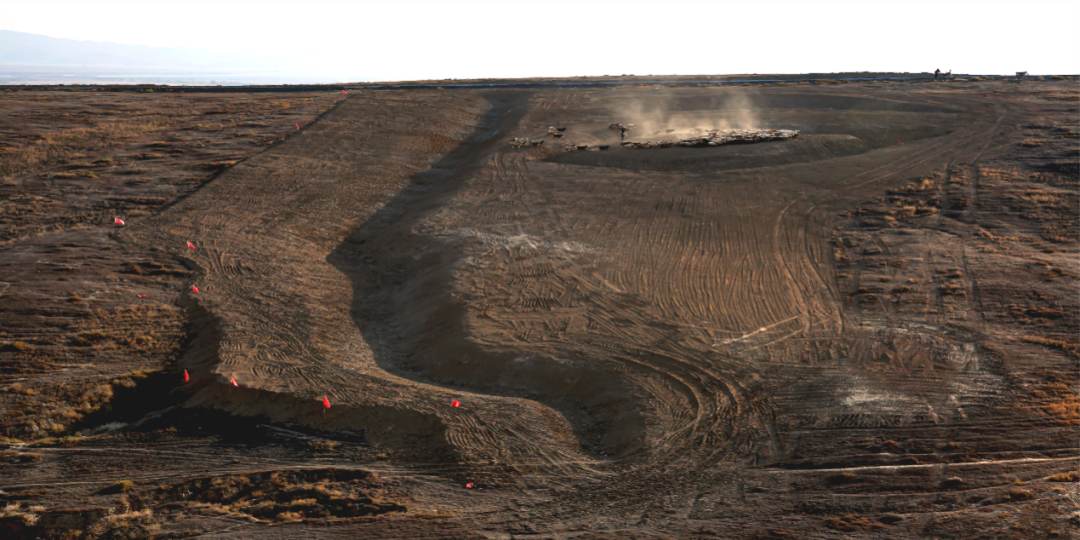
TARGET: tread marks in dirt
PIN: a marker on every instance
(661, 314)
(266, 228)
(688, 304)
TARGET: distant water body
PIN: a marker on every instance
(69, 75)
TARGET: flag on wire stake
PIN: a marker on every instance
(190, 245)
(326, 402)
(455, 403)
(186, 378)
(233, 381)
(194, 289)
(141, 296)
(117, 221)
(469, 485)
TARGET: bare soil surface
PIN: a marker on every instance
(868, 331)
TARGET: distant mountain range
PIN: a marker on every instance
(31, 50)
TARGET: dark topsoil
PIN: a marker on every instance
(98, 445)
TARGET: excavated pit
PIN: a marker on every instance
(828, 127)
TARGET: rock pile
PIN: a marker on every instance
(717, 137)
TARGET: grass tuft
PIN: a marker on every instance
(323, 446)
(121, 486)
(1071, 476)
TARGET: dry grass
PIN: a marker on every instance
(91, 337)
(18, 388)
(20, 458)
(1031, 143)
(286, 495)
(999, 174)
(102, 392)
(18, 346)
(118, 487)
(1067, 409)
(323, 446)
(130, 524)
(921, 186)
(1038, 196)
(1071, 476)
(952, 288)
(153, 268)
(61, 442)
(62, 146)
(952, 482)
(29, 515)
(1072, 349)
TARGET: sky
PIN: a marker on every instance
(409, 40)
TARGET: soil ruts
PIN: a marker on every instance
(867, 330)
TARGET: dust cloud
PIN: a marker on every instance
(668, 116)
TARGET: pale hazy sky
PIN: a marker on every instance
(414, 39)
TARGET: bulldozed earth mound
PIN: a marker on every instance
(718, 137)
(865, 329)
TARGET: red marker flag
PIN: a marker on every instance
(117, 221)
(194, 289)
(469, 485)
(344, 92)
(190, 245)
(142, 296)
(186, 378)
(326, 402)
(297, 126)
(233, 381)
(455, 403)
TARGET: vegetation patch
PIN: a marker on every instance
(323, 445)
(288, 495)
(1072, 349)
(118, 487)
(1071, 476)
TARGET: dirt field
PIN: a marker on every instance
(870, 331)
